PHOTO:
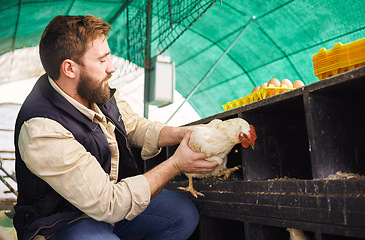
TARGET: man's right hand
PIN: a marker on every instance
(188, 161)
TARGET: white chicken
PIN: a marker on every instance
(216, 139)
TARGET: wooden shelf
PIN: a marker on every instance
(303, 136)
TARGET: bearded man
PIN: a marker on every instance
(76, 175)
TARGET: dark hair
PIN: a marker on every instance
(66, 37)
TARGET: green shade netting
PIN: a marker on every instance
(279, 41)
(278, 38)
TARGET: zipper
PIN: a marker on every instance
(120, 117)
(125, 137)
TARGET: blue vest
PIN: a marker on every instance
(40, 209)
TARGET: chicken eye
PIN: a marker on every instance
(242, 137)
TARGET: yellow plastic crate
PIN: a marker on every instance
(339, 59)
(264, 92)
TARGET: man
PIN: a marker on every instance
(76, 175)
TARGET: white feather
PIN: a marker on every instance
(216, 139)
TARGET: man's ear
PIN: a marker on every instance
(69, 68)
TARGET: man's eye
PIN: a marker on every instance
(102, 60)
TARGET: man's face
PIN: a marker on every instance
(93, 90)
(95, 72)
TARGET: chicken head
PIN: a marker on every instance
(248, 139)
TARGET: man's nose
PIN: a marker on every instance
(110, 67)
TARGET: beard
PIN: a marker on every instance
(93, 93)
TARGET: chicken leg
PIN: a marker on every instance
(227, 172)
(191, 189)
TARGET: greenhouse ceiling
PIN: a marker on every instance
(221, 49)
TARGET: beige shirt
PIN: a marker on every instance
(52, 153)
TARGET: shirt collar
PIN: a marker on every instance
(92, 113)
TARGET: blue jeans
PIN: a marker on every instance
(169, 215)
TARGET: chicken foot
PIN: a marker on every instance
(191, 189)
(227, 172)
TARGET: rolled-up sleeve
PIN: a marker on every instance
(141, 132)
(52, 153)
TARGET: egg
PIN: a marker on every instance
(275, 82)
(263, 85)
(286, 83)
(256, 89)
(297, 84)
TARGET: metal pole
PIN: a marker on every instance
(124, 6)
(148, 61)
(210, 70)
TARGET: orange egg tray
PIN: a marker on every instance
(339, 59)
(264, 92)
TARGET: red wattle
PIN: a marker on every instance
(245, 144)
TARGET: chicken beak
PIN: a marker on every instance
(252, 145)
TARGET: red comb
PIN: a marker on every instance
(252, 132)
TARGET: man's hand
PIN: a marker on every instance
(183, 160)
(170, 136)
(188, 161)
